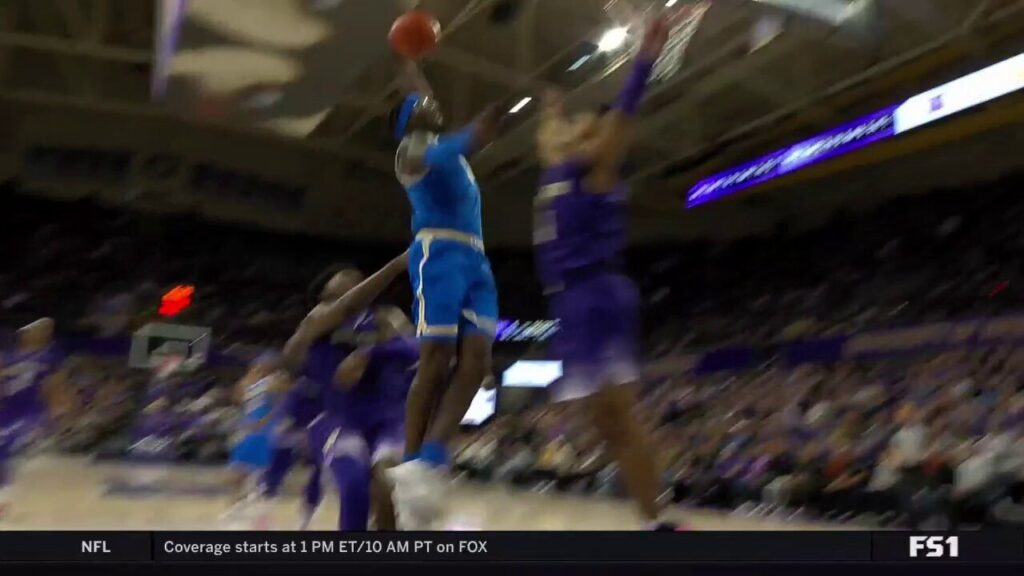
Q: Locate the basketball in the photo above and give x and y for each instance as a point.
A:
(414, 34)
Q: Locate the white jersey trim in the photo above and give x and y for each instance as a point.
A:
(413, 144)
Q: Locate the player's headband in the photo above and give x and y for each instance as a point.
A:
(405, 114)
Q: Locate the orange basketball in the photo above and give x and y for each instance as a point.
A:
(414, 34)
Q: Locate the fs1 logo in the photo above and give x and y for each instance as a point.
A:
(935, 546)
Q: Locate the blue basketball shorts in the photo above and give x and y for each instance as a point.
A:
(252, 453)
(453, 287)
(597, 334)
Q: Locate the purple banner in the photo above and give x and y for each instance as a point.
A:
(526, 330)
(841, 140)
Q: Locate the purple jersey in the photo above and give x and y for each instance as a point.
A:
(22, 375)
(304, 402)
(379, 395)
(324, 357)
(575, 231)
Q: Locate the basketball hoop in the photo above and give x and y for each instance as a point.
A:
(687, 20)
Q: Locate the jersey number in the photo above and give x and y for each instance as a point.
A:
(545, 218)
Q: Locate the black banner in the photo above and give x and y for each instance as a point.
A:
(498, 547)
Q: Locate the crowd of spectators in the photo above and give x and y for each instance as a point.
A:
(186, 417)
(912, 259)
(933, 437)
(942, 256)
(103, 270)
(932, 440)
(98, 403)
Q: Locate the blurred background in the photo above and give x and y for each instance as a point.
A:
(825, 218)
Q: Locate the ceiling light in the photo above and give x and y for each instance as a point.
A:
(613, 39)
(670, 3)
(520, 105)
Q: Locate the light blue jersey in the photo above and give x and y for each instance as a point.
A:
(453, 285)
(259, 408)
(258, 404)
(443, 192)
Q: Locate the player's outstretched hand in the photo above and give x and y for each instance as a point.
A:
(490, 118)
(655, 36)
(413, 78)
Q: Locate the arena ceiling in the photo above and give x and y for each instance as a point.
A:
(318, 77)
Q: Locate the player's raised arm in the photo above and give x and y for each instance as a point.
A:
(465, 142)
(607, 150)
(327, 318)
(553, 130)
(414, 80)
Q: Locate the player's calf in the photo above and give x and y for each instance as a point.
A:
(612, 411)
(381, 496)
(348, 462)
(473, 366)
(426, 390)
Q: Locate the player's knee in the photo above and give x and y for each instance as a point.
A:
(434, 360)
(475, 356)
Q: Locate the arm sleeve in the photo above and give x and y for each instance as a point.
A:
(450, 147)
(633, 90)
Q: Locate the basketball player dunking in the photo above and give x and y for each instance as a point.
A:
(579, 235)
(30, 381)
(455, 299)
(314, 355)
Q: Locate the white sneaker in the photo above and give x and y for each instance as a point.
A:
(419, 495)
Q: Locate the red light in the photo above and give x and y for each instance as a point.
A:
(175, 300)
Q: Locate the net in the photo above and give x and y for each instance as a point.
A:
(164, 365)
(687, 20)
(154, 341)
(167, 363)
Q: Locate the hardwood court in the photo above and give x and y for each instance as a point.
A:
(58, 493)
